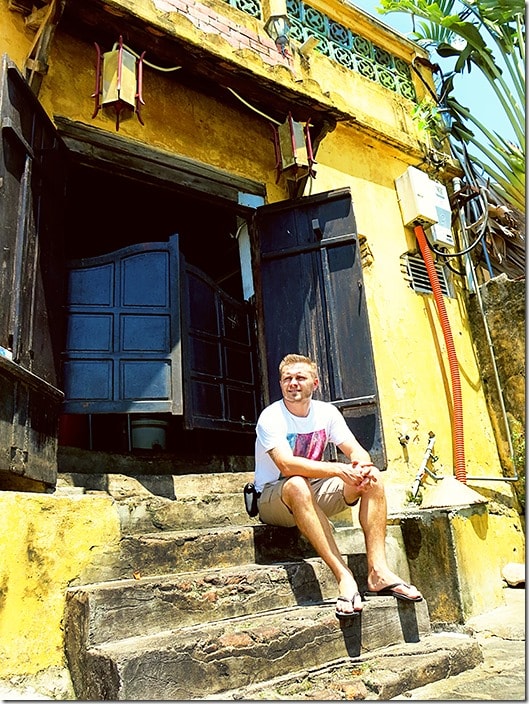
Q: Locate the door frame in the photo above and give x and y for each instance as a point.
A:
(92, 146)
(97, 149)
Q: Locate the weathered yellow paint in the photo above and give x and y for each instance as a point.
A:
(45, 543)
(456, 555)
(484, 545)
(409, 347)
(193, 125)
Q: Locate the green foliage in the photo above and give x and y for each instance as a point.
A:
(428, 118)
(412, 500)
(474, 38)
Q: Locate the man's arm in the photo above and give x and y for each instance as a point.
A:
(291, 465)
(351, 448)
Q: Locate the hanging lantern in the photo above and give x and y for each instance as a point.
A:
(293, 148)
(277, 25)
(119, 83)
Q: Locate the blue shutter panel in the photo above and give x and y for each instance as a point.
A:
(123, 346)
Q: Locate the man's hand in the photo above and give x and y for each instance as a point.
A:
(358, 474)
(366, 472)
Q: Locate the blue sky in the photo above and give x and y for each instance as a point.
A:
(472, 91)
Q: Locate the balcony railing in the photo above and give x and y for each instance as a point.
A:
(342, 45)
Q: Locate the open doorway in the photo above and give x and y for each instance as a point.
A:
(107, 212)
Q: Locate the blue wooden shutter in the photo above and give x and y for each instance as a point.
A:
(123, 346)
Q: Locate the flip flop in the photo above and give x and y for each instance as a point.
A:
(342, 615)
(390, 591)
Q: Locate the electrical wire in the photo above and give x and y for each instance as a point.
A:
(466, 163)
(252, 107)
(147, 63)
(434, 69)
(451, 255)
(454, 270)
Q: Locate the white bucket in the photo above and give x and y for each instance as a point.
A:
(148, 433)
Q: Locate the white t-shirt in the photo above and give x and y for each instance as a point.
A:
(307, 437)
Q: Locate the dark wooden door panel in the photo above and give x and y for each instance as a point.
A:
(32, 177)
(219, 356)
(311, 297)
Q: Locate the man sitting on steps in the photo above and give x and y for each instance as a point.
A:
(298, 488)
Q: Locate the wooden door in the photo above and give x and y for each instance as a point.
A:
(311, 301)
(32, 177)
(123, 343)
(220, 377)
(149, 333)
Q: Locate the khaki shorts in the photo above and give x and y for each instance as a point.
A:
(328, 493)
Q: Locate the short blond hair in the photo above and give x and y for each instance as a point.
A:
(291, 359)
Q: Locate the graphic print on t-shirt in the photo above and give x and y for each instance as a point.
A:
(309, 445)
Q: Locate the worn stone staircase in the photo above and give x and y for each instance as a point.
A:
(198, 601)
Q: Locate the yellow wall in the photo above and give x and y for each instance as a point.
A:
(45, 544)
(410, 351)
(457, 554)
(482, 553)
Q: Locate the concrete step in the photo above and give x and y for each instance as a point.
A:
(151, 502)
(381, 675)
(197, 600)
(97, 613)
(165, 552)
(192, 662)
(148, 463)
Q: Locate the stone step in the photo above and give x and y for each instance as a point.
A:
(148, 463)
(97, 613)
(191, 662)
(165, 552)
(197, 599)
(380, 675)
(167, 502)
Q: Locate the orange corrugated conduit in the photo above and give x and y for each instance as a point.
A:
(457, 427)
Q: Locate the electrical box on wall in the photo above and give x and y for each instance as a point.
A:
(440, 233)
(425, 202)
(414, 190)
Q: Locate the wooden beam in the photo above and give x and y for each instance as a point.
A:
(98, 148)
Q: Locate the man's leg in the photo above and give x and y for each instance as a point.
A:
(373, 519)
(314, 525)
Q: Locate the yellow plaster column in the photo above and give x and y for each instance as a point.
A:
(46, 542)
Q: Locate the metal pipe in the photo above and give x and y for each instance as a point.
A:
(495, 479)
(423, 469)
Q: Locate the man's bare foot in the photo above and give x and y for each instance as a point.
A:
(345, 606)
